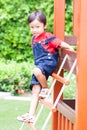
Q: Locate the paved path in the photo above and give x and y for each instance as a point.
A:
(8, 96)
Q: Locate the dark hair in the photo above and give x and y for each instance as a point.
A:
(39, 15)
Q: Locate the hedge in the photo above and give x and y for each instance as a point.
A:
(16, 58)
(14, 30)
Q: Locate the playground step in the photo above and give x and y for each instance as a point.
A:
(60, 79)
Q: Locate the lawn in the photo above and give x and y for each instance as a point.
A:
(10, 109)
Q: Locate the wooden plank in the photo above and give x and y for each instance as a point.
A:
(70, 126)
(71, 40)
(60, 79)
(62, 122)
(70, 59)
(59, 121)
(68, 112)
(66, 124)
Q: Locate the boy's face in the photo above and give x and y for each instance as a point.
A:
(37, 27)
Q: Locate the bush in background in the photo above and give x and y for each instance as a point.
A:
(16, 58)
(15, 35)
(15, 76)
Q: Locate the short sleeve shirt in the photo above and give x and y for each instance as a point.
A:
(52, 45)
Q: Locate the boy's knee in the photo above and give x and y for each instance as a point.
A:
(37, 72)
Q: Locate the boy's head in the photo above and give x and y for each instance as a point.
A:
(39, 15)
(37, 23)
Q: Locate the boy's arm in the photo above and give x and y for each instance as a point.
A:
(65, 45)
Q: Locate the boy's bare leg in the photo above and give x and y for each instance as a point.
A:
(41, 77)
(29, 117)
(34, 99)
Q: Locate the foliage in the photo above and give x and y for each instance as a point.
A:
(69, 17)
(14, 31)
(15, 76)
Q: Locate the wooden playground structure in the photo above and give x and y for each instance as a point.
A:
(77, 119)
(70, 114)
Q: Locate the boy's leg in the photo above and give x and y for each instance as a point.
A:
(40, 77)
(30, 116)
(34, 99)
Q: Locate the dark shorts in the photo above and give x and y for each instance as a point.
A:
(46, 69)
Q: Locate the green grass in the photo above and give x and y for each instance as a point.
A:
(10, 109)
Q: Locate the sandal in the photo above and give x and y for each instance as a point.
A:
(43, 93)
(26, 118)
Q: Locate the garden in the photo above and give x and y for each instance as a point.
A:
(16, 57)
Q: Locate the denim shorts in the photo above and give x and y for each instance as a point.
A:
(34, 79)
(46, 68)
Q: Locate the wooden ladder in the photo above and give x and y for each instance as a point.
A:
(45, 102)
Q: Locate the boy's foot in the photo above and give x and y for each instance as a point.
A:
(26, 118)
(44, 92)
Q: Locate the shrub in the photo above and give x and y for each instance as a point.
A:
(69, 17)
(15, 76)
(14, 31)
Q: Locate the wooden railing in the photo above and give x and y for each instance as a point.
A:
(66, 108)
(66, 116)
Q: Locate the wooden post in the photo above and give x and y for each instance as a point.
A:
(59, 17)
(81, 103)
(76, 17)
(59, 8)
